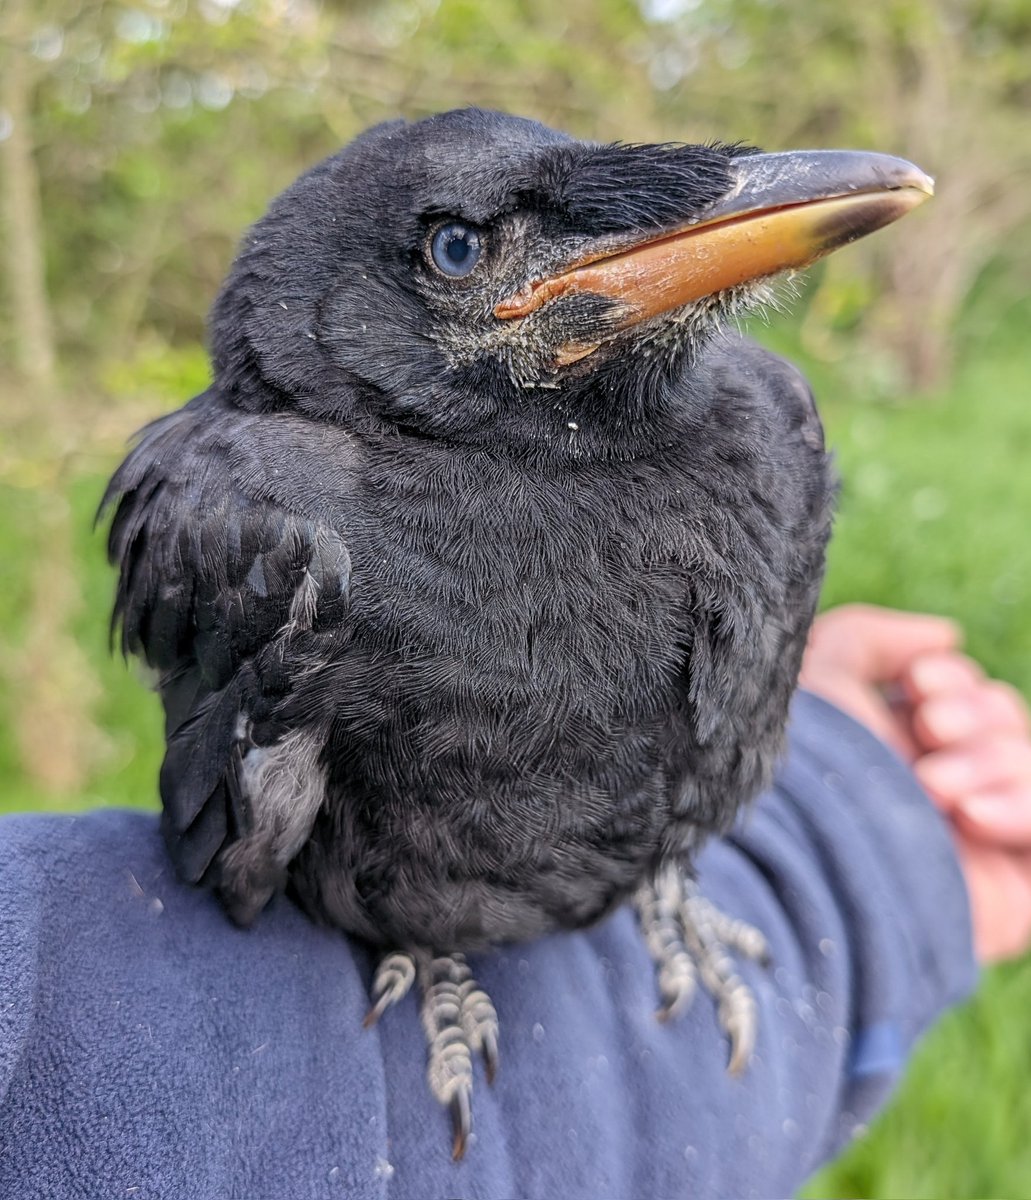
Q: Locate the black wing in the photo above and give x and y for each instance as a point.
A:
(220, 587)
(772, 489)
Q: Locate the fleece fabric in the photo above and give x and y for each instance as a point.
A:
(149, 1049)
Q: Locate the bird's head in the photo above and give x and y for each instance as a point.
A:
(473, 265)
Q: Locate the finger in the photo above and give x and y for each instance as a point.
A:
(878, 643)
(940, 673)
(999, 885)
(999, 817)
(986, 708)
(984, 765)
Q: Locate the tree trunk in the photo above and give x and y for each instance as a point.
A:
(46, 669)
(31, 325)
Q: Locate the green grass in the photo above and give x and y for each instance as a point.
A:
(934, 515)
(127, 715)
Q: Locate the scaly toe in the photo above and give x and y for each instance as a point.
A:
(480, 1022)
(658, 910)
(735, 934)
(691, 940)
(459, 1020)
(394, 977)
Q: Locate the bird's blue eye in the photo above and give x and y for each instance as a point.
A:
(455, 249)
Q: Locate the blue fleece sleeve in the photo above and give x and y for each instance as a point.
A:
(150, 1049)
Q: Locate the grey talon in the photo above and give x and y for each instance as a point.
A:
(392, 981)
(459, 1020)
(690, 940)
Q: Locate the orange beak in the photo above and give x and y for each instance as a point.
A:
(786, 211)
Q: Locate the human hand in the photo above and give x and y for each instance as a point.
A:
(967, 737)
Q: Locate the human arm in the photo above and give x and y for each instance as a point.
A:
(145, 1042)
(967, 737)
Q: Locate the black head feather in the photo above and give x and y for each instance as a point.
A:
(333, 300)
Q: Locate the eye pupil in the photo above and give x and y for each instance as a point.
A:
(458, 250)
(455, 249)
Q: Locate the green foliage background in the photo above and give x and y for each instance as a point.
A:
(139, 137)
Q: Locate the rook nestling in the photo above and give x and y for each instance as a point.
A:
(478, 579)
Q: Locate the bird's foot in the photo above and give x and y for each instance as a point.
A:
(459, 1020)
(691, 940)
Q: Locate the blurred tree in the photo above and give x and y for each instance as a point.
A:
(945, 82)
(149, 134)
(48, 670)
(163, 125)
(31, 326)
(139, 137)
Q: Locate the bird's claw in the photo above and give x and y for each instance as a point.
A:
(460, 1107)
(691, 941)
(394, 977)
(459, 1020)
(480, 1023)
(491, 1060)
(739, 1020)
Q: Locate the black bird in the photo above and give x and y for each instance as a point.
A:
(478, 579)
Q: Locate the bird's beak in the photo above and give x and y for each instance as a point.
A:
(784, 212)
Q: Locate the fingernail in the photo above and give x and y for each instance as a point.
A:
(948, 720)
(946, 773)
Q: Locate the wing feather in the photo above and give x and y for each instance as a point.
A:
(215, 577)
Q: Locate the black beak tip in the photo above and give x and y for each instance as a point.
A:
(801, 176)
